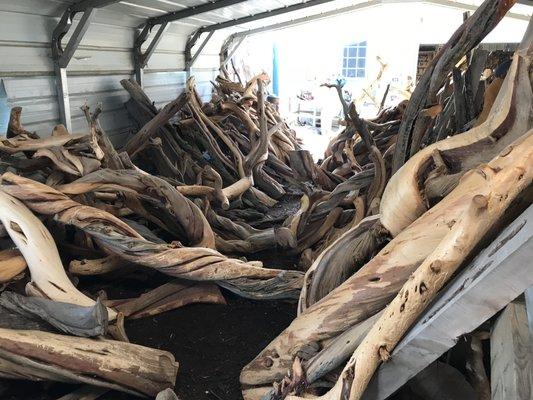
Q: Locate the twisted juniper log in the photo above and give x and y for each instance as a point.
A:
(48, 277)
(467, 36)
(153, 198)
(117, 238)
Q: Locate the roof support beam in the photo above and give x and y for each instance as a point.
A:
(141, 59)
(193, 38)
(62, 56)
(85, 4)
(263, 15)
(190, 62)
(192, 11)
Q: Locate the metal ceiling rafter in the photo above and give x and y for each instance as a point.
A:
(239, 37)
(193, 38)
(234, 40)
(141, 58)
(62, 56)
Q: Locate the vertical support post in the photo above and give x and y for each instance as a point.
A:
(63, 96)
(140, 59)
(62, 56)
(191, 59)
(139, 74)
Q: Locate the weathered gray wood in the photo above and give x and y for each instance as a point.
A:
(511, 355)
(529, 309)
(498, 275)
(69, 318)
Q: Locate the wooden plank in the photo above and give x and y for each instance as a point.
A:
(511, 355)
(499, 274)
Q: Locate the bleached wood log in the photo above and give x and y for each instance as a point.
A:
(40, 252)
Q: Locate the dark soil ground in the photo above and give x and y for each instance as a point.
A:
(211, 343)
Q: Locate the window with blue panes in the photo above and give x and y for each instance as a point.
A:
(354, 60)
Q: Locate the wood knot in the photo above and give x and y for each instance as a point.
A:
(436, 267)
(384, 353)
(480, 201)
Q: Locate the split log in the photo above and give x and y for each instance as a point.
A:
(105, 363)
(118, 239)
(511, 355)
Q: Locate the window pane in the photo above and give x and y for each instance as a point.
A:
(344, 72)
(351, 73)
(351, 63)
(360, 73)
(361, 63)
(344, 63)
(351, 52)
(361, 52)
(345, 52)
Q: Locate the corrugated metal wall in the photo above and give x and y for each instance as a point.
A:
(103, 58)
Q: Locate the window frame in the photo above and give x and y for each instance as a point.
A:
(354, 60)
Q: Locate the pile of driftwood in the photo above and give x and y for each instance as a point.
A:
(446, 167)
(379, 225)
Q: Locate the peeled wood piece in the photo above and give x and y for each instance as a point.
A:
(498, 184)
(40, 252)
(12, 263)
(118, 239)
(126, 367)
(169, 296)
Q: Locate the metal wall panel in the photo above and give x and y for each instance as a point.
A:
(103, 58)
